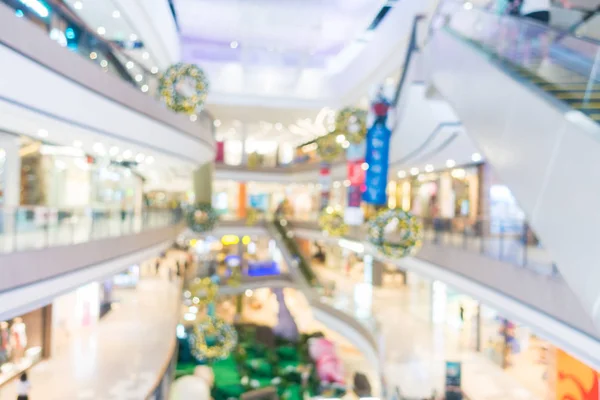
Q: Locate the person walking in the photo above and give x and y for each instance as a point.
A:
(23, 387)
(538, 10)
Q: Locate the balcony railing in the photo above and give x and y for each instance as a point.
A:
(28, 228)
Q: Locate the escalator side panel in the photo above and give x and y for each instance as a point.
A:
(546, 153)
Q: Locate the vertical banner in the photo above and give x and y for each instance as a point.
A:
(220, 154)
(325, 182)
(355, 156)
(453, 381)
(377, 158)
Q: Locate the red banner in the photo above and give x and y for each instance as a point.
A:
(356, 173)
(220, 153)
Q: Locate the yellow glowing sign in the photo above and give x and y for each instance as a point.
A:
(246, 240)
(230, 239)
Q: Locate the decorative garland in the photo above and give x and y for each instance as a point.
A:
(332, 222)
(202, 218)
(221, 336)
(352, 122)
(175, 100)
(403, 225)
(205, 290)
(328, 148)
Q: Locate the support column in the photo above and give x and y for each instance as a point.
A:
(244, 138)
(203, 181)
(10, 181)
(373, 270)
(242, 200)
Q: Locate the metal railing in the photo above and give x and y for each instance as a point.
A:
(27, 228)
(508, 240)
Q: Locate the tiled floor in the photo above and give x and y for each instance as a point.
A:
(416, 350)
(120, 358)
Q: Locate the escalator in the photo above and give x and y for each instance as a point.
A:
(529, 98)
(299, 267)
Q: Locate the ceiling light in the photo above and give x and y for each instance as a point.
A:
(346, 144)
(340, 138)
(144, 88)
(78, 5)
(133, 37)
(429, 168)
(364, 166)
(114, 150)
(414, 171)
(140, 157)
(104, 63)
(99, 148)
(193, 117)
(154, 70)
(93, 55)
(476, 157)
(217, 123)
(139, 77)
(130, 64)
(468, 6)
(450, 163)
(346, 183)
(77, 143)
(149, 160)
(401, 174)
(101, 30)
(42, 133)
(127, 154)
(116, 14)
(234, 44)
(145, 55)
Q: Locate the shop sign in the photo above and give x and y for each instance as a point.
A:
(325, 182)
(378, 148)
(453, 381)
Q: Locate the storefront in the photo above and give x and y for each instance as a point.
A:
(445, 194)
(24, 341)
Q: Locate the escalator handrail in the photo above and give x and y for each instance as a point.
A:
(412, 47)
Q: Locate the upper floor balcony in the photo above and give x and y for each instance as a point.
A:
(69, 83)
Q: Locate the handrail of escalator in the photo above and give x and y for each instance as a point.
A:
(412, 47)
(294, 250)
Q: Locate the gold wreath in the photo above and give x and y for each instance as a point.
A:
(332, 222)
(212, 327)
(205, 290)
(352, 123)
(411, 233)
(328, 148)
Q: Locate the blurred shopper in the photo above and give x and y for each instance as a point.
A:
(23, 387)
(538, 10)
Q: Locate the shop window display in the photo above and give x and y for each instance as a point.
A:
(20, 344)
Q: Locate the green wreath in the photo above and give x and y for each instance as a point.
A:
(172, 96)
(352, 123)
(202, 218)
(212, 339)
(404, 226)
(328, 148)
(332, 222)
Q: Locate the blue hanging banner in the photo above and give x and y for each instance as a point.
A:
(377, 158)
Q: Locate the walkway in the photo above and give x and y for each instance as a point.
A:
(121, 358)
(416, 350)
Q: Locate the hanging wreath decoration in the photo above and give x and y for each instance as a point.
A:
(202, 218)
(183, 88)
(332, 222)
(352, 123)
(395, 233)
(205, 290)
(328, 148)
(212, 339)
